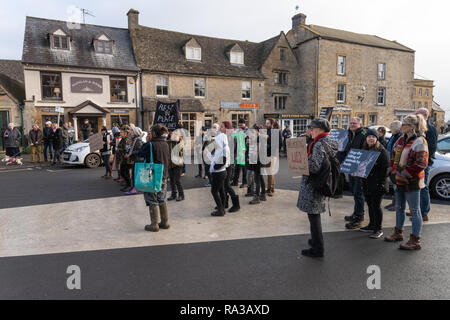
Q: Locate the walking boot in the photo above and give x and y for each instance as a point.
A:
(311, 253)
(255, 200)
(236, 207)
(164, 217)
(262, 197)
(153, 227)
(172, 197)
(412, 244)
(397, 236)
(180, 198)
(220, 212)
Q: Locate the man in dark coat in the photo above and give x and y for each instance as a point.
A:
(48, 140)
(12, 137)
(431, 137)
(35, 140)
(357, 136)
(86, 129)
(58, 143)
(287, 134)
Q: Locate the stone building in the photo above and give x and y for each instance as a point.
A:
(12, 95)
(214, 79)
(87, 70)
(437, 117)
(422, 94)
(357, 74)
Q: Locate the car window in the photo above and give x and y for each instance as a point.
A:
(444, 145)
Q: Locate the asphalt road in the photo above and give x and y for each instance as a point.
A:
(268, 268)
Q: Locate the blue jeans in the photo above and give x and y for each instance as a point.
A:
(358, 196)
(425, 195)
(48, 145)
(413, 199)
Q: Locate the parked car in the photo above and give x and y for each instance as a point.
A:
(81, 154)
(443, 145)
(440, 177)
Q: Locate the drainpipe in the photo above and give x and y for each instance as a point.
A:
(22, 107)
(141, 104)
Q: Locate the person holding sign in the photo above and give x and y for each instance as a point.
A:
(374, 186)
(407, 171)
(310, 200)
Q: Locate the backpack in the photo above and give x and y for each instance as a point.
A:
(329, 181)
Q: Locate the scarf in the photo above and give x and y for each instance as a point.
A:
(315, 140)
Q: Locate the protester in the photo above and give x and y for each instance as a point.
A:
(198, 149)
(86, 130)
(255, 164)
(208, 146)
(396, 128)
(382, 136)
(432, 138)
(309, 200)
(409, 159)
(176, 163)
(287, 134)
(58, 143)
(157, 201)
(357, 137)
(227, 128)
(220, 160)
(71, 132)
(65, 135)
(12, 138)
(374, 186)
(133, 156)
(35, 140)
(271, 124)
(122, 150)
(48, 140)
(106, 153)
(240, 144)
(250, 173)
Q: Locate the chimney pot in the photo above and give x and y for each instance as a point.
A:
(133, 19)
(298, 19)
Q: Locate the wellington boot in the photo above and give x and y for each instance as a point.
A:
(153, 227)
(164, 217)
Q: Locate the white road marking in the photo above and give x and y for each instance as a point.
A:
(15, 170)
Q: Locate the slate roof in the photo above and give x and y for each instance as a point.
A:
(159, 50)
(12, 69)
(36, 46)
(351, 37)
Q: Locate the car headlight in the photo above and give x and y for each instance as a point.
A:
(80, 149)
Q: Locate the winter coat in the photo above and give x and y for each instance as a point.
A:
(106, 146)
(309, 200)
(392, 142)
(13, 139)
(172, 145)
(32, 137)
(48, 134)
(136, 144)
(58, 141)
(355, 142)
(160, 153)
(65, 134)
(86, 129)
(432, 138)
(122, 149)
(376, 182)
(287, 134)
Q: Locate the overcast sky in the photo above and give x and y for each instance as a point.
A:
(417, 24)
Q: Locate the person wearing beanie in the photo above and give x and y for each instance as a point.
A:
(106, 153)
(309, 200)
(375, 185)
(255, 166)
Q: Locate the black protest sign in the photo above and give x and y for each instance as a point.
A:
(167, 114)
(326, 113)
(341, 136)
(359, 163)
(96, 142)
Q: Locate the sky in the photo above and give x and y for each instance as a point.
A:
(417, 24)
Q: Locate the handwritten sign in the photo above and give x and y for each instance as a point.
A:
(297, 156)
(326, 113)
(359, 162)
(167, 114)
(96, 142)
(341, 136)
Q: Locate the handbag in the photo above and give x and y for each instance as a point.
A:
(148, 176)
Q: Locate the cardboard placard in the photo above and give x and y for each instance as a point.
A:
(297, 156)
(359, 162)
(96, 142)
(341, 136)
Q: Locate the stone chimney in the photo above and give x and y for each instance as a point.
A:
(297, 20)
(133, 19)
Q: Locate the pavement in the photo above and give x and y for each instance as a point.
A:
(70, 216)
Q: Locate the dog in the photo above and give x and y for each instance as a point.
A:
(9, 160)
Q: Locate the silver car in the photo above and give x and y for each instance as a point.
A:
(440, 177)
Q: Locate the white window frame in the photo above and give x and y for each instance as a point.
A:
(341, 65)
(299, 126)
(193, 53)
(382, 71)
(245, 90)
(199, 88)
(383, 90)
(346, 123)
(237, 58)
(344, 93)
(335, 121)
(371, 123)
(164, 84)
(280, 102)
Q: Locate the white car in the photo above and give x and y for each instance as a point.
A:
(81, 154)
(440, 177)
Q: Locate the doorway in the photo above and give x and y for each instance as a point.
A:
(93, 121)
(4, 120)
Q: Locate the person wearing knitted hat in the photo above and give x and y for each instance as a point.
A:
(374, 186)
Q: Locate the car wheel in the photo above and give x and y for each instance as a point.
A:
(93, 161)
(440, 187)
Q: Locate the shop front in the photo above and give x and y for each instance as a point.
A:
(235, 111)
(96, 115)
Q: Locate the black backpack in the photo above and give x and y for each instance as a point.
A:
(329, 182)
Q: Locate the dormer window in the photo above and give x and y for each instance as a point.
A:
(103, 44)
(59, 40)
(193, 50)
(237, 57)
